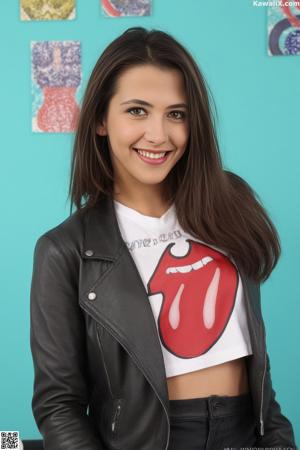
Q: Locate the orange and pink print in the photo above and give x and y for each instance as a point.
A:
(56, 76)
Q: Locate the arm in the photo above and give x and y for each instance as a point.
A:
(57, 339)
(278, 430)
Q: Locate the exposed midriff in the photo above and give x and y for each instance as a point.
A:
(229, 378)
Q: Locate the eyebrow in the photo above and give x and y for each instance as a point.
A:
(142, 102)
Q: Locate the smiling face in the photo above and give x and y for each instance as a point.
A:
(147, 113)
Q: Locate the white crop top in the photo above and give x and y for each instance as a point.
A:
(194, 289)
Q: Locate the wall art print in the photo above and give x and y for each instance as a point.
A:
(47, 9)
(284, 29)
(118, 8)
(56, 75)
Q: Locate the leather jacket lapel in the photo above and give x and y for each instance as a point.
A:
(121, 304)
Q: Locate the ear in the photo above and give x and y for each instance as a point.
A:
(101, 129)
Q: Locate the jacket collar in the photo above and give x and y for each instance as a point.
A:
(122, 305)
(101, 231)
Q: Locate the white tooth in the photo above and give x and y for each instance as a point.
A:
(209, 306)
(206, 260)
(171, 270)
(174, 313)
(184, 269)
(197, 265)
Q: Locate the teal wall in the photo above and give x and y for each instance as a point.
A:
(257, 100)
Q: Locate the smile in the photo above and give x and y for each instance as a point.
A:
(151, 154)
(152, 157)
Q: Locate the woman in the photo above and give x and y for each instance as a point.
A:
(146, 325)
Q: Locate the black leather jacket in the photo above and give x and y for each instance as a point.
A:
(100, 381)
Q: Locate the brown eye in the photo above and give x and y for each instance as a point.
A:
(182, 114)
(135, 109)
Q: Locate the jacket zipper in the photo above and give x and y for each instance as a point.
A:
(117, 413)
(262, 389)
(116, 416)
(264, 372)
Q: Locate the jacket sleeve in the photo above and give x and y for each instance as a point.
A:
(57, 340)
(278, 430)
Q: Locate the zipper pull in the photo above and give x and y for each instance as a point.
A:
(262, 427)
(117, 413)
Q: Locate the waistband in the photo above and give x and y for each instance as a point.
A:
(212, 406)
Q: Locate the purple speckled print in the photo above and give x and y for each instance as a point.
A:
(132, 7)
(56, 63)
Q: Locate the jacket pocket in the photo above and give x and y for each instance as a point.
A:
(113, 408)
(99, 331)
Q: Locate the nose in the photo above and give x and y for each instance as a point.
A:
(156, 131)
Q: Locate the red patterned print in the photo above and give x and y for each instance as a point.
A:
(199, 291)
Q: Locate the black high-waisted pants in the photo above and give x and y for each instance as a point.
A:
(212, 423)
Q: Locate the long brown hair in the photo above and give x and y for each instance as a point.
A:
(212, 204)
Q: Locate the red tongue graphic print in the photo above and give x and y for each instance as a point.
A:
(199, 291)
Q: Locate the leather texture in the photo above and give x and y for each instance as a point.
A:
(99, 377)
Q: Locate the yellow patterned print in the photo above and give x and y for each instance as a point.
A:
(47, 9)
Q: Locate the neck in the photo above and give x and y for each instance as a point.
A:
(149, 201)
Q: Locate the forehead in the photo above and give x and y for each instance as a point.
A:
(146, 80)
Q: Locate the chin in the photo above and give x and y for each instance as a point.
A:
(151, 180)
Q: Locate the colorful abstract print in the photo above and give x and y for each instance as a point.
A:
(117, 8)
(284, 30)
(56, 75)
(47, 9)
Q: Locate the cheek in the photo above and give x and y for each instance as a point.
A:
(182, 136)
(127, 133)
